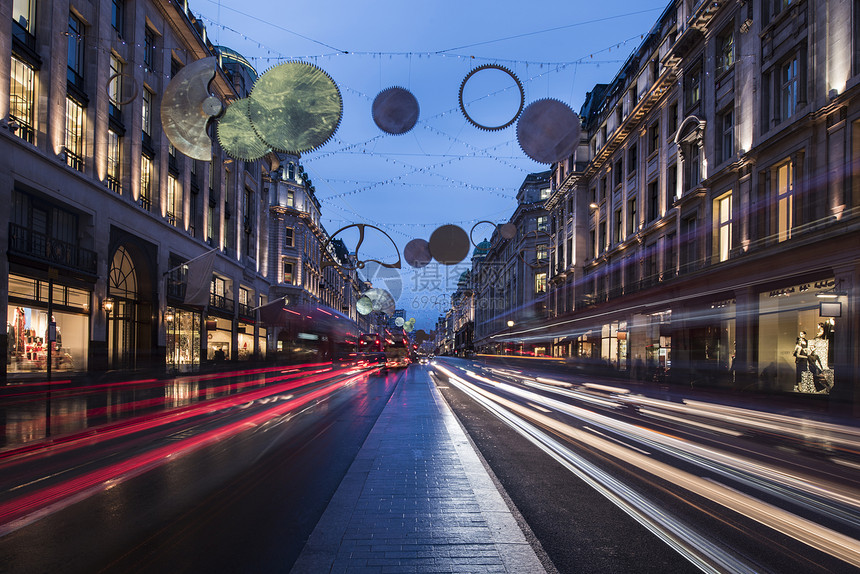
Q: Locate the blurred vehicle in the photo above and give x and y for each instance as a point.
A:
(307, 333)
(423, 360)
(396, 349)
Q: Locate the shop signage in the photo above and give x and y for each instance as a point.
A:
(804, 288)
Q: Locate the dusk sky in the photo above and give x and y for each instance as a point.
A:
(444, 170)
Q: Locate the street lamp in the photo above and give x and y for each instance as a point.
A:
(510, 327)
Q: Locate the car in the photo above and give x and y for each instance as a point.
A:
(423, 360)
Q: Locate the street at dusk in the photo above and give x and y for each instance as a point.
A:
(442, 287)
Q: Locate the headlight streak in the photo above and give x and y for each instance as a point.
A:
(681, 537)
(28, 508)
(806, 531)
(684, 421)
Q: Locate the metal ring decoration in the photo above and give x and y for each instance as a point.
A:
(472, 239)
(135, 92)
(516, 81)
(359, 264)
(537, 235)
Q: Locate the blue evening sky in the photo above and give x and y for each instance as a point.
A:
(444, 170)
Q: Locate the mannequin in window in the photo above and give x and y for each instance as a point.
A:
(819, 351)
(804, 381)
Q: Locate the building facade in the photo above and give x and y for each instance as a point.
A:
(712, 211)
(510, 278)
(105, 213)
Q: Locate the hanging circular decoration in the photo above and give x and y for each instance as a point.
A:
(449, 244)
(395, 110)
(364, 305)
(548, 131)
(187, 106)
(359, 263)
(472, 239)
(417, 253)
(508, 230)
(516, 81)
(236, 135)
(381, 300)
(399, 321)
(135, 90)
(295, 107)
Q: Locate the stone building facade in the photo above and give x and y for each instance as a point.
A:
(712, 212)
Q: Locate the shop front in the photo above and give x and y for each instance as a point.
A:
(797, 329)
(219, 335)
(31, 329)
(183, 339)
(245, 341)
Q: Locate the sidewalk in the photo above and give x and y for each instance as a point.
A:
(417, 499)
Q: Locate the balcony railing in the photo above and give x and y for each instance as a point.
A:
(246, 310)
(220, 302)
(29, 243)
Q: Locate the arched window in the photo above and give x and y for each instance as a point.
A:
(123, 278)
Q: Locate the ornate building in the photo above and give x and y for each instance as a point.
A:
(105, 214)
(712, 211)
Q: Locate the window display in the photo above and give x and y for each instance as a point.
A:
(27, 330)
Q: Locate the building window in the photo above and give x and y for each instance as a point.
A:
(632, 217)
(726, 126)
(114, 161)
(75, 56)
(689, 244)
(289, 273)
(653, 200)
(591, 248)
(673, 120)
(542, 252)
(603, 185)
(22, 101)
(692, 87)
(174, 201)
(289, 238)
(725, 51)
(117, 15)
(671, 185)
(653, 137)
(115, 86)
(74, 134)
(146, 117)
(669, 257)
(145, 198)
(788, 91)
(545, 192)
(617, 229)
(24, 16)
(149, 48)
(542, 223)
(723, 217)
(785, 199)
(692, 166)
(632, 158)
(602, 244)
(618, 168)
(540, 282)
(193, 212)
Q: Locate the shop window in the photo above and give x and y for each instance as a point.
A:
(22, 101)
(183, 338)
(74, 137)
(723, 226)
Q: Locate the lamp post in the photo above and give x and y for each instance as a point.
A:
(107, 304)
(510, 328)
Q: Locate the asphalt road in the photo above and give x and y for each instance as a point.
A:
(244, 504)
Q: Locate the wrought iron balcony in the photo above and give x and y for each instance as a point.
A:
(34, 245)
(220, 302)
